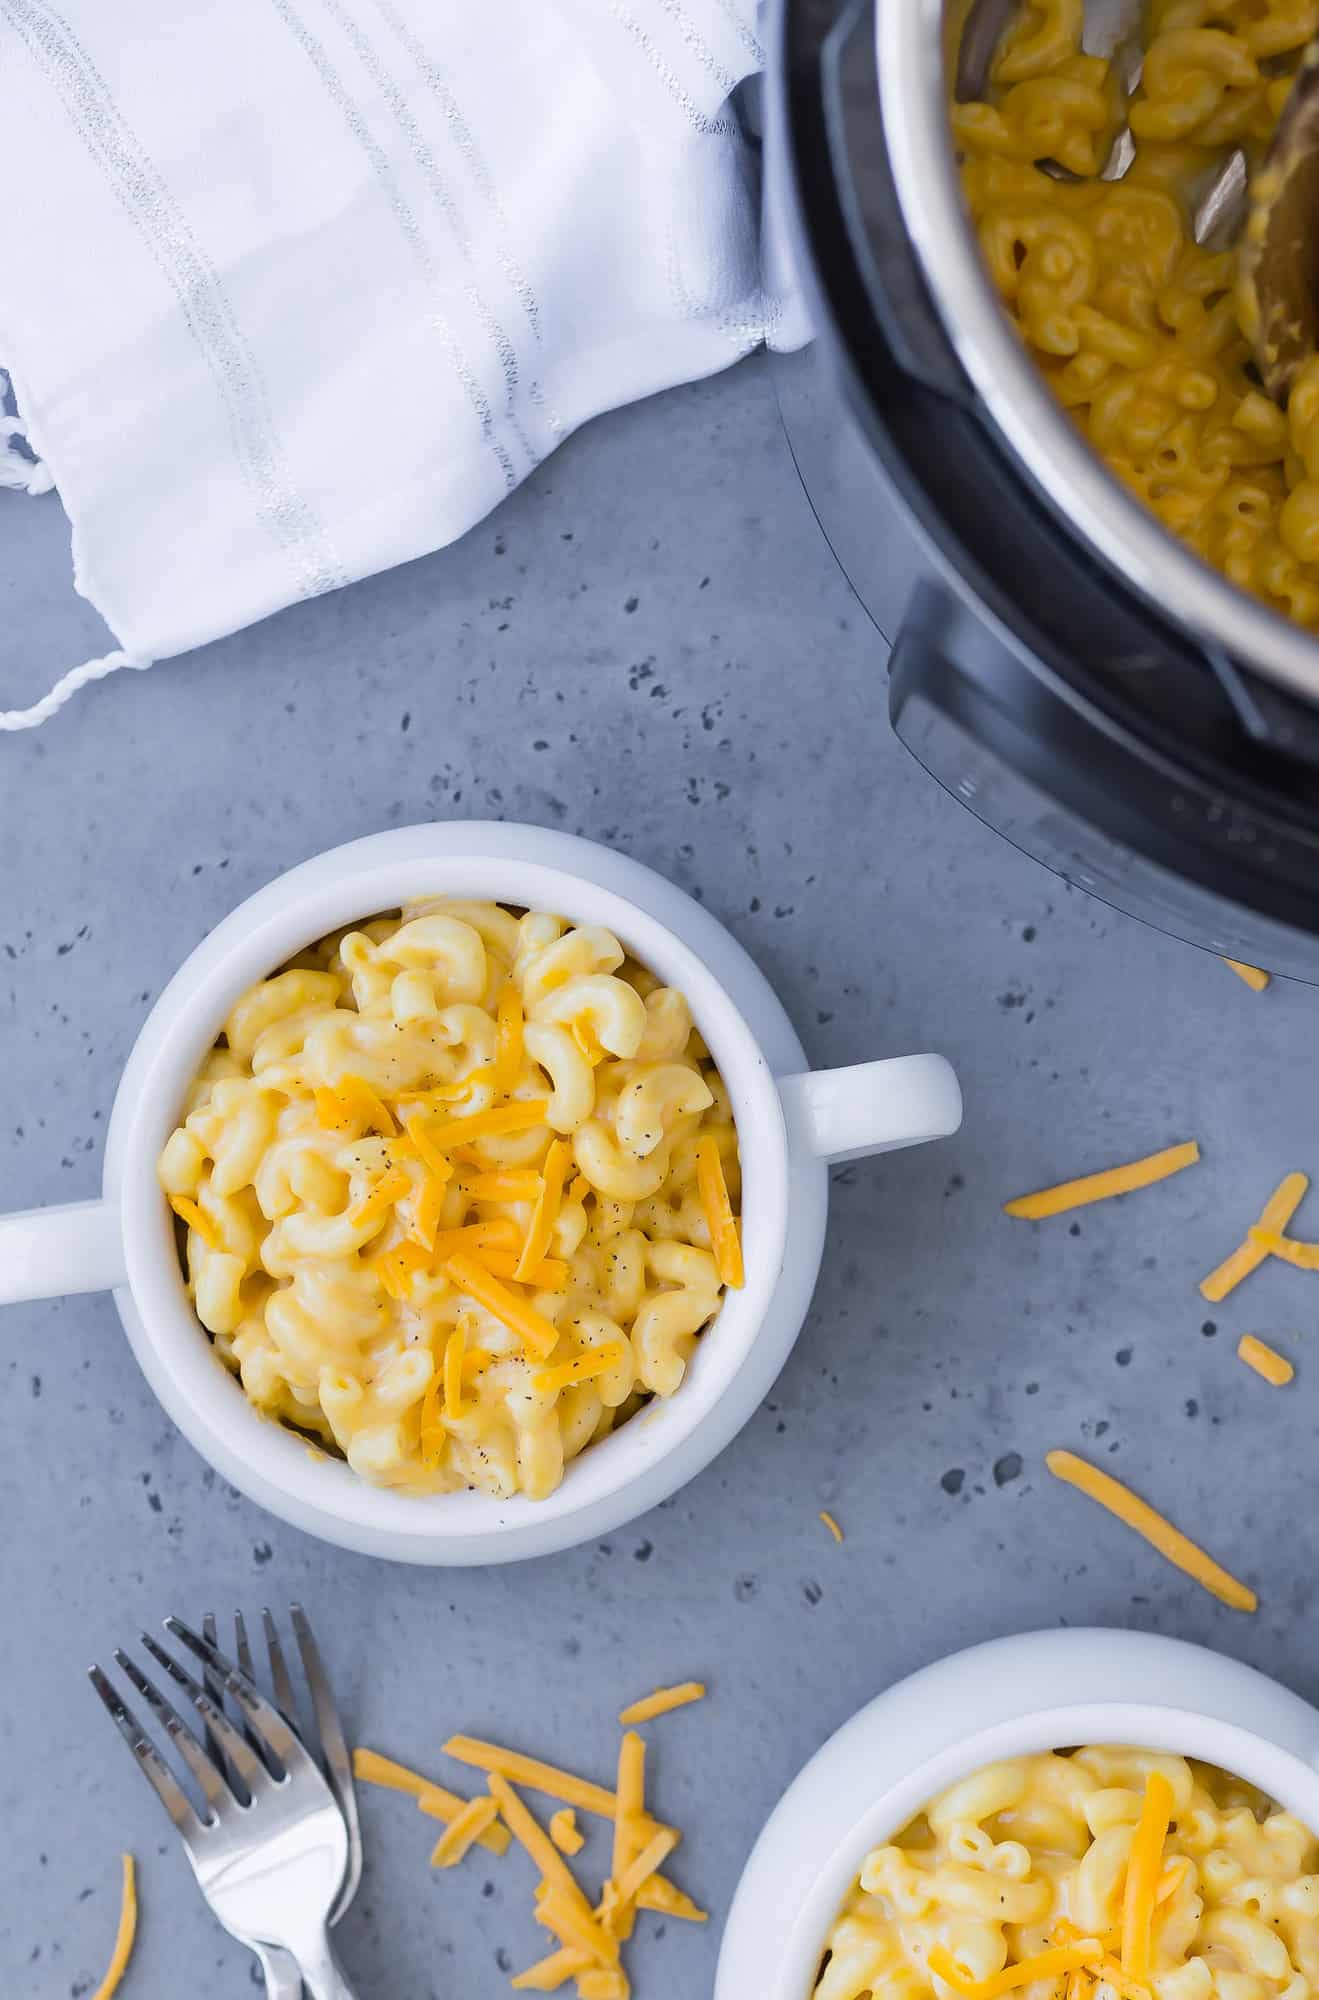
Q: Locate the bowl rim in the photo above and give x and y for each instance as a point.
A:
(1003, 1698)
(666, 1444)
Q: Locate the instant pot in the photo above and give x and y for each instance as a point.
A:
(1061, 664)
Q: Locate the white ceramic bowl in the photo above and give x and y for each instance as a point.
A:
(1041, 1691)
(790, 1124)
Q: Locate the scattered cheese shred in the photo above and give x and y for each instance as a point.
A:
(831, 1524)
(1171, 1881)
(196, 1218)
(1049, 1964)
(649, 1862)
(719, 1217)
(462, 1833)
(565, 1833)
(546, 1212)
(665, 1900)
(426, 1211)
(127, 1932)
(523, 1116)
(397, 1267)
(566, 1912)
(517, 1184)
(538, 1777)
(1144, 1867)
(391, 1186)
(532, 1328)
(550, 1275)
(549, 1974)
(509, 1021)
(434, 1161)
(1256, 980)
(1103, 1186)
(432, 1799)
(1160, 1533)
(449, 1093)
(582, 1368)
(603, 1982)
(527, 1830)
(1277, 1212)
(353, 1102)
(663, 1702)
(1301, 1256)
(1265, 1360)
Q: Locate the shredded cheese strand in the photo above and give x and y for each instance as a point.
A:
(649, 1862)
(550, 1275)
(426, 1211)
(549, 1974)
(1277, 1212)
(537, 1776)
(1171, 1880)
(831, 1524)
(573, 1923)
(1135, 1513)
(432, 1799)
(581, 1368)
(663, 1702)
(124, 1936)
(1103, 1186)
(391, 1187)
(1144, 1866)
(196, 1218)
(631, 1807)
(504, 1119)
(1256, 980)
(1275, 1368)
(664, 1900)
(462, 1833)
(1289, 1249)
(719, 1218)
(511, 1184)
(356, 1103)
(564, 1831)
(545, 1214)
(1049, 1964)
(532, 1328)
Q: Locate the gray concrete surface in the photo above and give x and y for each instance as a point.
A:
(649, 644)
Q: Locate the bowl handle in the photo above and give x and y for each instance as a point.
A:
(48, 1252)
(874, 1107)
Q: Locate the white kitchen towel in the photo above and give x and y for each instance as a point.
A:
(293, 290)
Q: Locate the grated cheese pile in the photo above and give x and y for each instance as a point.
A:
(589, 1935)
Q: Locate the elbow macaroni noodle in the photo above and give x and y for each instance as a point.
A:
(1137, 329)
(1032, 1854)
(439, 1177)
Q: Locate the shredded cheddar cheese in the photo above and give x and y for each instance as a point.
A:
(391, 1186)
(196, 1218)
(1175, 1547)
(537, 1776)
(549, 1974)
(1276, 1214)
(663, 1702)
(1049, 1964)
(432, 1799)
(550, 1275)
(1275, 1368)
(1301, 1256)
(831, 1524)
(639, 1870)
(1144, 1866)
(719, 1217)
(1256, 980)
(462, 1833)
(582, 1368)
(504, 1119)
(531, 1327)
(517, 1184)
(660, 1896)
(1104, 1186)
(353, 1102)
(434, 1161)
(631, 1806)
(1171, 1881)
(427, 1210)
(564, 1831)
(546, 1212)
(124, 1936)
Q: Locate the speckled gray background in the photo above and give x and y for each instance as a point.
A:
(650, 644)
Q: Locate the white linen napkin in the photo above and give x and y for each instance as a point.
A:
(293, 290)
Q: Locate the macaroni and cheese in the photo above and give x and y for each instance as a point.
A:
(1139, 330)
(459, 1188)
(1126, 1874)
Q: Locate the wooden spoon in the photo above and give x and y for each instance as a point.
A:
(1278, 256)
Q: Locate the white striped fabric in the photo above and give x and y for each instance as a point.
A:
(293, 290)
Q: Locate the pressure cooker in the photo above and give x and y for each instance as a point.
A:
(1064, 666)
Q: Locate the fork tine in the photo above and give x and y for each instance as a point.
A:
(153, 1768)
(279, 1672)
(249, 1767)
(243, 1655)
(203, 1770)
(266, 1719)
(215, 1690)
(338, 1762)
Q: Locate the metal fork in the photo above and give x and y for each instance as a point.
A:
(282, 1978)
(271, 1852)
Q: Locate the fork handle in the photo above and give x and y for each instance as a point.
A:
(283, 1980)
(322, 1973)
